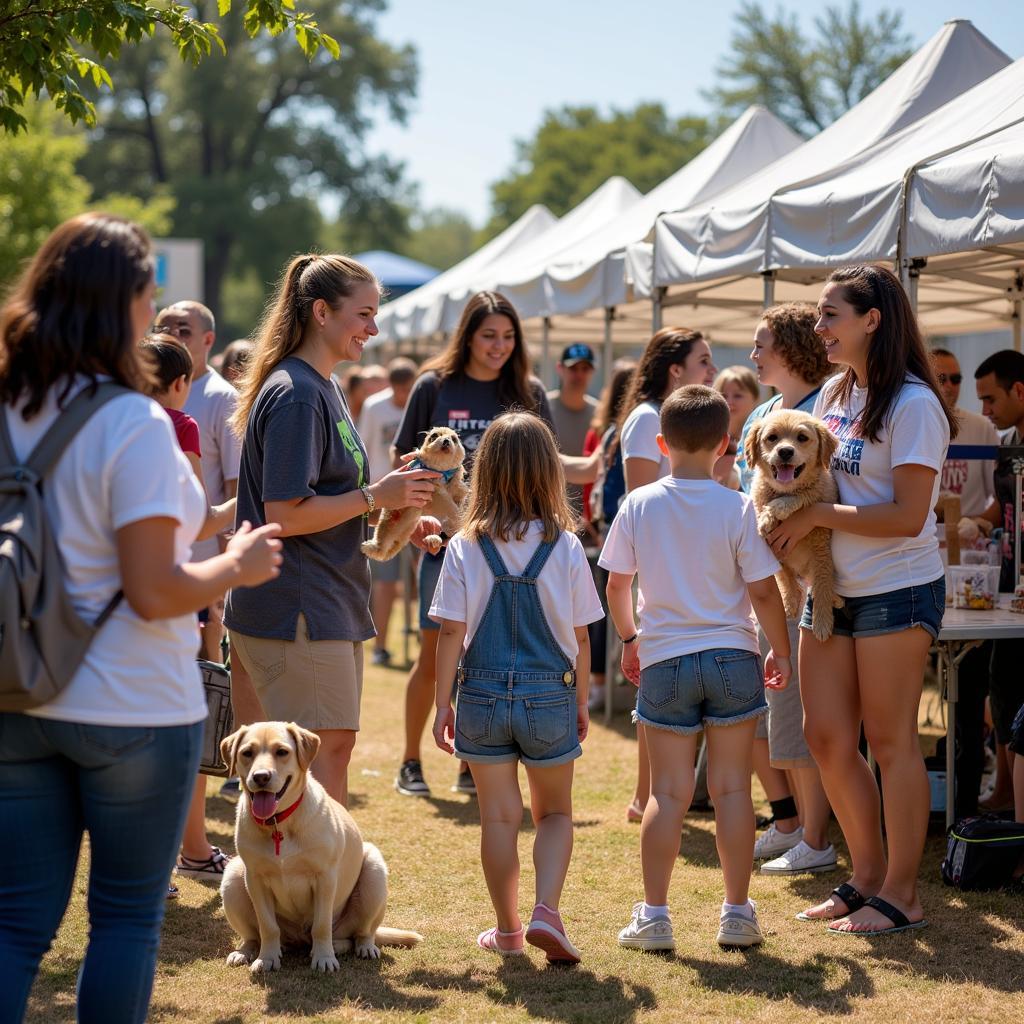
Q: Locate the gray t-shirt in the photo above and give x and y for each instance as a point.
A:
(571, 426)
(300, 442)
(464, 404)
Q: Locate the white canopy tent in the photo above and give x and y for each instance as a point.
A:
(719, 250)
(416, 314)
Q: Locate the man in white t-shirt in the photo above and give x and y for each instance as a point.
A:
(378, 423)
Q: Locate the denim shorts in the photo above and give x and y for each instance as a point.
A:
(722, 686)
(533, 722)
(429, 574)
(878, 614)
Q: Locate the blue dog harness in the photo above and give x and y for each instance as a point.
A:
(447, 474)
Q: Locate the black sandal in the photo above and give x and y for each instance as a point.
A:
(848, 894)
(900, 921)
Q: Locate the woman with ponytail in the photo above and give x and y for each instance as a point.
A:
(304, 466)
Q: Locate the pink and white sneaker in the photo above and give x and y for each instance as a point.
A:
(547, 932)
(504, 943)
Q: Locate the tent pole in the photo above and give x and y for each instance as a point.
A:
(656, 297)
(1018, 310)
(609, 346)
(769, 288)
(545, 350)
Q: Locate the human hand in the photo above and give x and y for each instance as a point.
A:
(428, 526)
(444, 729)
(582, 721)
(777, 671)
(257, 553)
(631, 663)
(790, 532)
(405, 488)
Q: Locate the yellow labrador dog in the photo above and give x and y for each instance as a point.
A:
(303, 874)
(790, 452)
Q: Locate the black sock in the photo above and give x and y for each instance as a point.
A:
(784, 808)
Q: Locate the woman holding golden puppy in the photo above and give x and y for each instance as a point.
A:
(304, 466)
(893, 429)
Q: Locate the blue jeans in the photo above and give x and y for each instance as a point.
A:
(129, 787)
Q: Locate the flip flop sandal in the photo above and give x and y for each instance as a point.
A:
(900, 921)
(489, 940)
(212, 867)
(634, 813)
(848, 894)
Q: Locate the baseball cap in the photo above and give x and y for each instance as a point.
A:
(578, 353)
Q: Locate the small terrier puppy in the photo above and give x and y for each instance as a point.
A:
(441, 452)
(790, 452)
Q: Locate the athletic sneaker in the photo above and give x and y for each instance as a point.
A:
(381, 656)
(464, 783)
(410, 781)
(647, 932)
(771, 843)
(801, 860)
(737, 930)
(231, 788)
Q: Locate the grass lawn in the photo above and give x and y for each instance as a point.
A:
(967, 966)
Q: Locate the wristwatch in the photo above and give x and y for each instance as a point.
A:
(370, 503)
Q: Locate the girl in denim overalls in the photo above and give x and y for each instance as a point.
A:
(514, 601)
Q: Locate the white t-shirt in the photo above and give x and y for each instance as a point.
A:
(378, 423)
(694, 546)
(971, 479)
(211, 403)
(640, 437)
(916, 432)
(565, 585)
(123, 466)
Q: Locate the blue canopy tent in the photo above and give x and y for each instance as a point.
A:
(398, 274)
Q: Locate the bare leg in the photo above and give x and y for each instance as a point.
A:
(774, 782)
(832, 716)
(501, 814)
(1018, 787)
(382, 600)
(729, 765)
(672, 757)
(245, 703)
(419, 694)
(812, 803)
(1002, 788)
(330, 767)
(890, 670)
(194, 843)
(643, 774)
(551, 806)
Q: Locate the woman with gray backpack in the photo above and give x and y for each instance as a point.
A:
(101, 706)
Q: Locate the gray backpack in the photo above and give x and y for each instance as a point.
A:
(42, 638)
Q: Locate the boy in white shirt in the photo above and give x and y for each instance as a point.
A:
(695, 655)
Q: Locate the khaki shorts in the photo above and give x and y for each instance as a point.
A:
(784, 723)
(317, 684)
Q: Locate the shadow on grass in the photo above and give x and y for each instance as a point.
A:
(697, 846)
(570, 994)
(822, 982)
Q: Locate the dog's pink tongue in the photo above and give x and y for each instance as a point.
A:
(264, 804)
(785, 474)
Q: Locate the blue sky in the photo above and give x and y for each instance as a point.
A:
(489, 70)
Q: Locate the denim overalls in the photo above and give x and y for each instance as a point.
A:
(517, 689)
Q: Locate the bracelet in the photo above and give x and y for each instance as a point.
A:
(370, 503)
(635, 636)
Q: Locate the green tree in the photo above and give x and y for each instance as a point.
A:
(39, 188)
(576, 149)
(439, 238)
(42, 44)
(254, 141)
(808, 82)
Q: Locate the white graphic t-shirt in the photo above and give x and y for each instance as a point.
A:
(915, 432)
(971, 480)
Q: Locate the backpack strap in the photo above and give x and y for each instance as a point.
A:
(68, 423)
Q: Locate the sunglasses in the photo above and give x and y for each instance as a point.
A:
(952, 378)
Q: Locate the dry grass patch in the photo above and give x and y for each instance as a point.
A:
(968, 966)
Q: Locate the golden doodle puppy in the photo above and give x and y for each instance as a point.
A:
(303, 875)
(790, 452)
(443, 453)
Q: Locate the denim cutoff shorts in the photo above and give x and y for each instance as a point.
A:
(722, 686)
(877, 614)
(429, 574)
(530, 722)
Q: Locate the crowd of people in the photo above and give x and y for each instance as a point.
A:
(230, 507)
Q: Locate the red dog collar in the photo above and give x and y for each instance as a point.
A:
(275, 819)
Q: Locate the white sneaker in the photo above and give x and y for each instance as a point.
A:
(801, 860)
(647, 932)
(772, 842)
(738, 931)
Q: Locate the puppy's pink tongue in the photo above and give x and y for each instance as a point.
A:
(264, 803)
(785, 474)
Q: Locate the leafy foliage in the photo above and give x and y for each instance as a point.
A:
(58, 46)
(808, 82)
(439, 238)
(576, 149)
